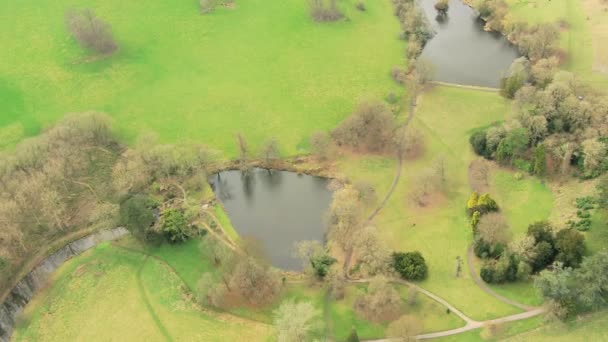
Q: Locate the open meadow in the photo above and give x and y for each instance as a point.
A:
(264, 86)
(262, 68)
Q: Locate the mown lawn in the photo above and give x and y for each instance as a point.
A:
(262, 68)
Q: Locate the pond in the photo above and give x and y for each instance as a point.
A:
(461, 51)
(277, 208)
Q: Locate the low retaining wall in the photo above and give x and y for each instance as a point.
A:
(25, 289)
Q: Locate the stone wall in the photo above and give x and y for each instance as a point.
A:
(25, 289)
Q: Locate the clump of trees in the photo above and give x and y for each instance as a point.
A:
(315, 259)
(559, 127)
(370, 128)
(349, 230)
(380, 303)
(137, 215)
(561, 123)
(76, 175)
(431, 180)
(245, 277)
(569, 291)
(534, 41)
(410, 266)
(414, 24)
(296, 321)
(91, 32)
(55, 184)
(325, 10)
(541, 247)
(478, 205)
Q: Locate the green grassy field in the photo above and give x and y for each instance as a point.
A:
(587, 328)
(431, 314)
(263, 68)
(111, 293)
(440, 231)
(93, 296)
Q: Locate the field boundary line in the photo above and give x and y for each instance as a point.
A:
(147, 303)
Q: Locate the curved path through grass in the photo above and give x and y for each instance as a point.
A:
(142, 291)
(471, 324)
(482, 285)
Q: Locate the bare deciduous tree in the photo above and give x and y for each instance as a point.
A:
(270, 151)
(256, 283)
(296, 321)
(91, 32)
(493, 228)
(404, 329)
(369, 129)
(408, 142)
(380, 303)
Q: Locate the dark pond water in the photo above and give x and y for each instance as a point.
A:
(276, 208)
(462, 51)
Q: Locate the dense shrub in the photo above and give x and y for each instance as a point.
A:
(321, 264)
(499, 271)
(483, 204)
(174, 226)
(381, 303)
(410, 266)
(478, 142)
(137, 215)
(484, 249)
(91, 32)
(570, 247)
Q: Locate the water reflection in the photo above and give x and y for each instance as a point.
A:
(277, 208)
(461, 51)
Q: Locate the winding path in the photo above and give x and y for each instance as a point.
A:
(482, 284)
(471, 324)
(410, 116)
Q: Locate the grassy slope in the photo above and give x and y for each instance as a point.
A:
(264, 68)
(446, 116)
(132, 285)
(98, 295)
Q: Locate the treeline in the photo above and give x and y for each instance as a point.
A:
(414, 25)
(508, 260)
(54, 184)
(533, 41)
(77, 175)
(560, 124)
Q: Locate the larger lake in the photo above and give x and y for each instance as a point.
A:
(277, 208)
(461, 51)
